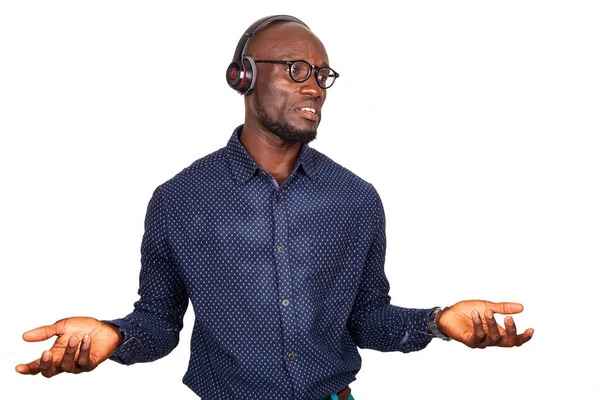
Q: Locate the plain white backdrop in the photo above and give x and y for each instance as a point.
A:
(477, 121)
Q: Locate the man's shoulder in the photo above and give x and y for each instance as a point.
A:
(206, 166)
(335, 174)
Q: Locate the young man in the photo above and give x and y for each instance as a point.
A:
(279, 249)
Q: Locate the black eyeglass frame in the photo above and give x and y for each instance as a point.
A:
(312, 67)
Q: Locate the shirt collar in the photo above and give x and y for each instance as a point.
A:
(244, 167)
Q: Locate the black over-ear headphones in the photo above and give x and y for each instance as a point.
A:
(241, 73)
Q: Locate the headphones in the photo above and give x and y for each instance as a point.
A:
(241, 73)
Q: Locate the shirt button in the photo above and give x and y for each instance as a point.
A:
(280, 249)
(278, 199)
(285, 302)
(291, 356)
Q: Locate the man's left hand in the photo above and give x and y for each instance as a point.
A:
(472, 322)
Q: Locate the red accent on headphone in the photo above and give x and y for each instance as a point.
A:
(233, 73)
(243, 80)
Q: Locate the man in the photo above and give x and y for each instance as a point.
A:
(279, 249)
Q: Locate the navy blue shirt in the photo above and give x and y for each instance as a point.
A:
(286, 283)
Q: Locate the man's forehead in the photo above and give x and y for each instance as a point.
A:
(286, 40)
(295, 51)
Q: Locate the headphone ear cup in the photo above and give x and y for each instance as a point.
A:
(250, 72)
(242, 78)
(235, 75)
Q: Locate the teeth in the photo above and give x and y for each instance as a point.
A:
(310, 110)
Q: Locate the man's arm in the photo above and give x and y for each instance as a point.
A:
(150, 332)
(374, 323)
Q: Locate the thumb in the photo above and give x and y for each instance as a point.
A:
(41, 333)
(506, 307)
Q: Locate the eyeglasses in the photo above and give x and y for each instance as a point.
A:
(300, 71)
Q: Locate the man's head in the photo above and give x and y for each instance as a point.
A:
(278, 104)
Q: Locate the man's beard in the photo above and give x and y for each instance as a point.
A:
(283, 130)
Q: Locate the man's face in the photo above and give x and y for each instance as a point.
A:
(288, 109)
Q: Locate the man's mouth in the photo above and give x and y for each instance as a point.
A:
(310, 110)
(309, 113)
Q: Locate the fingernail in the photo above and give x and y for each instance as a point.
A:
(73, 341)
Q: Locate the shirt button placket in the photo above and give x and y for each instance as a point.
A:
(282, 264)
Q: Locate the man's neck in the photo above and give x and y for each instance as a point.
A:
(270, 152)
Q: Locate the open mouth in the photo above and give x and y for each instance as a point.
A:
(308, 109)
(309, 113)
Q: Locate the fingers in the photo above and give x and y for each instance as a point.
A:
(511, 332)
(84, 361)
(486, 332)
(76, 363)
(47, 367)
(511, 338)
(493, 333)
(478, 330)
(67, 364)
(43, 365)
(32, 368)
(75, 359)
(524, 337)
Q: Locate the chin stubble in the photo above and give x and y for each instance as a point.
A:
(282, 129)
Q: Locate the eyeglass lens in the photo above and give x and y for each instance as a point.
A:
(300, 71)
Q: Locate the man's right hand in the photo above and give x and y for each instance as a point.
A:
(82, 344)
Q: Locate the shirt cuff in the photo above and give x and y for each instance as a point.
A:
(127, 350)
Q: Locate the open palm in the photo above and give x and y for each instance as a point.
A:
(82, 343)
(472, 322)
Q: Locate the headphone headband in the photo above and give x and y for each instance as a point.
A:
(241, 73)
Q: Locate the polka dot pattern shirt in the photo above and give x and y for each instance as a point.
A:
(286, 283)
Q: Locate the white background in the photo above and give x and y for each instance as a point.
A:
(477, 121)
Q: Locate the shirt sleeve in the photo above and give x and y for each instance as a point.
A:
(151, 331)
(374, 323)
